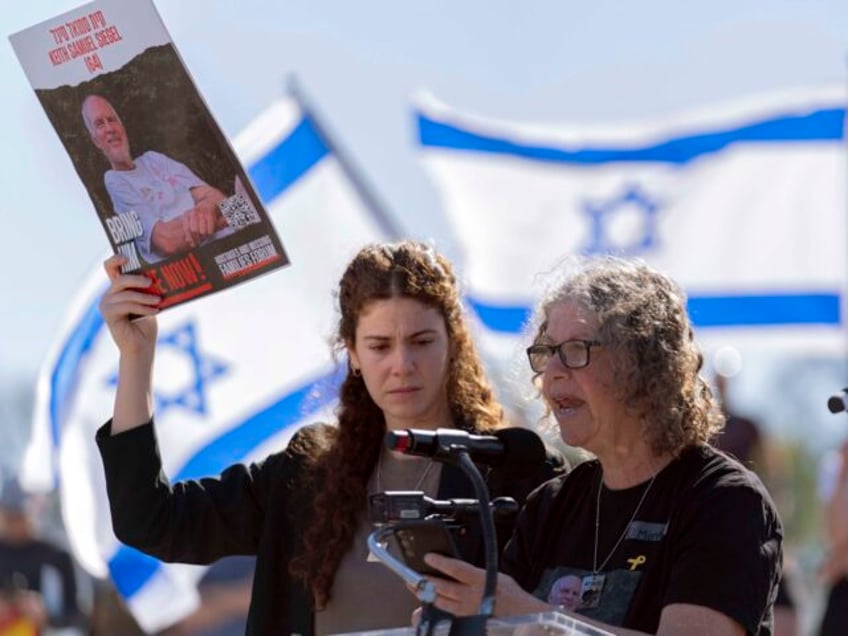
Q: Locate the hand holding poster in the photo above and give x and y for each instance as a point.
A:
(171, 194)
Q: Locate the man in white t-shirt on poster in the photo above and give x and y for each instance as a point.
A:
(177, 210)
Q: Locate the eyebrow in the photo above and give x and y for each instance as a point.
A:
(546, 339)
(417, 334)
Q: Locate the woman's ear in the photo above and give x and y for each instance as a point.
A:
(353, 358)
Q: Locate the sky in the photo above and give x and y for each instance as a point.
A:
(360, 62)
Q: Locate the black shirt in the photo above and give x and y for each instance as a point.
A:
(707, 534)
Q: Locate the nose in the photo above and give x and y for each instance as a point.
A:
(403, 360)
(554, 364)
(554, 368)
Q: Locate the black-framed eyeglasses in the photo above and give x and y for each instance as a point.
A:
(574, 354)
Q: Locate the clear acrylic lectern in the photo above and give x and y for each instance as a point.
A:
(546, 624)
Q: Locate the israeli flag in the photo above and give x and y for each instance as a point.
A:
(236, 373)
(744, 204)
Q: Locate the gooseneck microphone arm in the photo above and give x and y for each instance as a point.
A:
(454, 449)
(487, 523)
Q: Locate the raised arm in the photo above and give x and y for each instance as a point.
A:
(130, 295)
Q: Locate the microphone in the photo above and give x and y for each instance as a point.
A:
(517, 451)
(839, 402)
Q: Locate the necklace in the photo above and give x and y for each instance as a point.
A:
(590, 593)
(417, 486)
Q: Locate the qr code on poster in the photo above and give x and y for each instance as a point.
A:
(239, 211)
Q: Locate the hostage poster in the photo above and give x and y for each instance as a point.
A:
(166, 185)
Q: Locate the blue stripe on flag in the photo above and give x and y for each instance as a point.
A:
(289, 161)
(705, 311)
(501, 318)
(766, 310)
(823, 125)
(131, 569)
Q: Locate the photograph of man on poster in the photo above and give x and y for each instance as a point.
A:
(177, 210)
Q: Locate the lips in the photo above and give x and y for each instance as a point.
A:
(404, 390)
(564, 405)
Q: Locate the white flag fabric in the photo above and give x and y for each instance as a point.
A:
(236, 373)
(743, 204)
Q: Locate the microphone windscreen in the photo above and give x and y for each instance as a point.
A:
(524, 451)
(399, 441)
(835, 404)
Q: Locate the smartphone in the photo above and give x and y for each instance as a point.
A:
(414, 541)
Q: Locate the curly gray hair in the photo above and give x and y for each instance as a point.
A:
(642, 320)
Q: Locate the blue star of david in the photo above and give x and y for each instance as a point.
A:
(601, 214)
(205, 368)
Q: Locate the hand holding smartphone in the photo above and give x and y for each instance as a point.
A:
(416, 540)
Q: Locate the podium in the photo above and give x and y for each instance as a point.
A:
(545, 624)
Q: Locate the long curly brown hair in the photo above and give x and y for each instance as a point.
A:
(641, 316)
(406, 269)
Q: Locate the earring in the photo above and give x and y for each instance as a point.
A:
(355, 372)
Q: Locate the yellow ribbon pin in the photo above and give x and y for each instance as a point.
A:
(635, 562)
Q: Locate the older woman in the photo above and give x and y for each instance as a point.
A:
(666, 534)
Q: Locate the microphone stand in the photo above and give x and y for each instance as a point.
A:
(458, 455)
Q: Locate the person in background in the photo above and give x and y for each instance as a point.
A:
(833, 489)
(410, 363)
(110, 614)
(21, 613)
(741, 435)
(38, 578)
(667, 534)
(743, 439)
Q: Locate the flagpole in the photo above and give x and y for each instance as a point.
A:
(385, 219)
